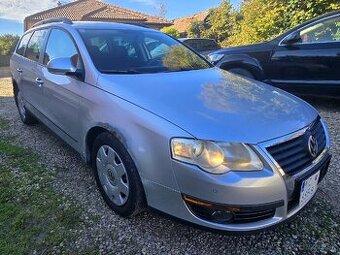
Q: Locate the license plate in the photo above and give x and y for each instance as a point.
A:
(308, 188)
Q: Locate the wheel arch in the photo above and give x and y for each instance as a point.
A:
(243, 61)
(93, 133)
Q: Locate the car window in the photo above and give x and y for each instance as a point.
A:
(35, 45)
(23, 43)
(195, 44)
(209, 45)
(135, 51)
(155, 47)
(325, 31)
(60, 45)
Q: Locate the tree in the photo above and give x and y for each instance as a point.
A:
(171, 31)
(261, 20)
(298, 11)
(7, 43)
(162, 10)
(220, 22)
(196, 29)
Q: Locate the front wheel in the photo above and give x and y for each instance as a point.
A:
(26, 117)
(116, 176)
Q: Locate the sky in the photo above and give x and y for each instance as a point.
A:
(13, 12)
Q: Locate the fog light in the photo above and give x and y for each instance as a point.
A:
(222, 216)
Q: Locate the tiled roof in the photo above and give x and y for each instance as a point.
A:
(182, 24)
(96, 10)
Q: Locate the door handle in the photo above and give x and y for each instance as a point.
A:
(39, 81)
(19, 70)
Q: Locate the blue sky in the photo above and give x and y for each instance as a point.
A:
(12, 12)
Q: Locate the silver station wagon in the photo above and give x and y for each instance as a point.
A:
(163, 128)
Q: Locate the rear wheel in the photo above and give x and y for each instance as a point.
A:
(26, 117)
(242, 72)
(116, 176)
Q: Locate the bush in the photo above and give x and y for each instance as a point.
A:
(171, 31)
(7, 44)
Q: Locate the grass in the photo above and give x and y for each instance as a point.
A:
(33, 217)
(3, 124)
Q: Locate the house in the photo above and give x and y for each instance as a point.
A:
(182, 24)
(96, 10)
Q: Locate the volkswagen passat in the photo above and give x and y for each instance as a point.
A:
(163, 128)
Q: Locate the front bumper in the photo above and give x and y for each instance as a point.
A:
(258, 200)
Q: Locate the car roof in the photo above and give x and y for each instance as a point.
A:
(93, 25)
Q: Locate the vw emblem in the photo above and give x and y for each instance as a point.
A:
(313, 146)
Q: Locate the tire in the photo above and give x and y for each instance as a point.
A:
(25, 115)
(242, 72)
(117, 176)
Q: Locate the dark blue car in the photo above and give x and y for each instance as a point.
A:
(304, 60)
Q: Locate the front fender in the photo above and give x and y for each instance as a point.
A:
(242, 61)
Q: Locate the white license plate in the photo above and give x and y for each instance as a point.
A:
(308, 188)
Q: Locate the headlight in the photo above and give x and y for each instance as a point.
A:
(215, 158)
(214, 58)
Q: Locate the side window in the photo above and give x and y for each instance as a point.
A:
(325, 31)
(156, 49)
(35, 45)
(23, 43)
(60, 45)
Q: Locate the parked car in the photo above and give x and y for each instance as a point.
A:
(164, 128)
(305, 60)
(201, 45)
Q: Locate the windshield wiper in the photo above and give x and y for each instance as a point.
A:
(129, 71)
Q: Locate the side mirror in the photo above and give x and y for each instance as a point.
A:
(293, 38)
(62, 66)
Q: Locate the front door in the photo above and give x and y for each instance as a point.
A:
(312, 65)
(61, 92)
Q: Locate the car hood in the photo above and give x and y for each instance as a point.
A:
(213, 104)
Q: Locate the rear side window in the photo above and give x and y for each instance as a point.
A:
(23, 43)
(35, 45)
(60, 45)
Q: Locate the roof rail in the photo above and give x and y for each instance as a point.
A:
(53, 20)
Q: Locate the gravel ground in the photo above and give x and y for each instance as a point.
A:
(315, 231)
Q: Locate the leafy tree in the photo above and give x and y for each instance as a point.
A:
(220, 22)
(7, 43)
(171, 31)
(196, 29)
(298, 11)
(260, 21)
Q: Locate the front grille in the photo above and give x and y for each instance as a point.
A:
(293, 156)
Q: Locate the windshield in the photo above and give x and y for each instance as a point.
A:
(134, 52)
(202, 45)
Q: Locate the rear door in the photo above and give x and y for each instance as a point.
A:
(61, 92)
(32, 83)
(18, 62)
(312, 65)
